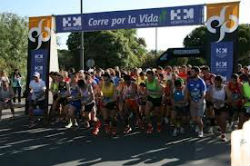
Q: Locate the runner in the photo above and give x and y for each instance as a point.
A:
(61, 91)
(180, 112)
(37, 97)
(3, 77)
(73, 107)
(16, 83)
(154, 91)
(108, 105)
(196, 93)
(129, 95)
(6, 95)
(245, 114)
(183, 72)
(244, 75)
(209, 80)
(89, 105)
(219, 97)
(167, 102)
(235, 89)
(142, 100)
(54, 85)
(141, 78)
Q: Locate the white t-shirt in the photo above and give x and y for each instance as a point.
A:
(4, 79)
(38, 88)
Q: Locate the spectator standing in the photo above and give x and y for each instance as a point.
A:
(16, 84)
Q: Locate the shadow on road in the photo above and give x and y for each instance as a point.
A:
(58, 146)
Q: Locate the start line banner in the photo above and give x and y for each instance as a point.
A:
(144, 18)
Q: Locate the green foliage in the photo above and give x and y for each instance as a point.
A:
(13, 43)
(66, 59)
(244, 44)
(197, 38)
(109, 48)
(151, 59)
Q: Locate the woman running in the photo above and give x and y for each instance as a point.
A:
(129, 95)
(142, 100)
(108, 105)
(74, 105)
(89, 105)
(180, 112)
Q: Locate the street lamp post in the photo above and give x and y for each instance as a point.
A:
(156, 41)
(82, 45)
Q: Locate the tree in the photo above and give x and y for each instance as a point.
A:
(151, 59)
(13, 43)
(109, 48)
(244, 44)
(66, 59)
(197, 38)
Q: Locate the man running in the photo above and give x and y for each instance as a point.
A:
(218, 95)
(196, 93)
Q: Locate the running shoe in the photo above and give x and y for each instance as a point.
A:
(159, 127)
(32, 124)
(95, 131)
(86, 125)
(150, 129)
(98, 124)
(76, 124)
(107, 128)
(166, 120)
(69, 125)
(127, 130)
(223, 138)
(201, 134)
(182, 130)
(175, 132)
(197, 129)
(211, 130)
(141, 124)
(114, 131)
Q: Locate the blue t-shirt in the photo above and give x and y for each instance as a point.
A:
(97, 80)
(179, 95)
(196, 88)
(116, 80)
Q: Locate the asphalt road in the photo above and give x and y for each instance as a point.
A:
(21, 146)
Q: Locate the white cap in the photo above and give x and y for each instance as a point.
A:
(36, 74)
(91, 70)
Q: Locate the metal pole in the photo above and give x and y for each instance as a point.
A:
(156, 41)
(82, 45)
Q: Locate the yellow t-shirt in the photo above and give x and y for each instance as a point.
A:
(108, 91)
(139, 80)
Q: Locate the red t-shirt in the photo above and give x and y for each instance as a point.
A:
(183, 75)
(67, 80)
(208, 79)
(236, 92)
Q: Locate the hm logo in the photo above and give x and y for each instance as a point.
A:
(182, 14)
(72, 21)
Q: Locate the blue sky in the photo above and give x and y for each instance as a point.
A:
(167, 36)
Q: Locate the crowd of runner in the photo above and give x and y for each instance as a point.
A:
(180, 97)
